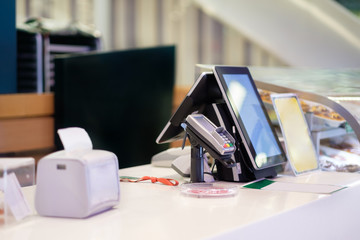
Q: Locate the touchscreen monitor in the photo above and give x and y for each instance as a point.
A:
(299, 146)
(250, 117)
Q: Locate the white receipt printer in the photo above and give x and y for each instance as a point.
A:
(78, 181)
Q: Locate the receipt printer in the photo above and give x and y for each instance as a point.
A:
(78, 181)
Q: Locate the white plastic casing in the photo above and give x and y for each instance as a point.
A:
(77, 184)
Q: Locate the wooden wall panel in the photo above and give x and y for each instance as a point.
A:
(26, 105)
(26, 134)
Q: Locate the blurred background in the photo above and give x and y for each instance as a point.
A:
(297, 33)
(309, 45)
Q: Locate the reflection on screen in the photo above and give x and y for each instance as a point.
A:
(299, 146)
(243, 98)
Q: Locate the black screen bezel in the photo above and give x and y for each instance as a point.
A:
(219, 71)
(203, 92)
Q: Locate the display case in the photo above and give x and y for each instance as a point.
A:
(330, 100)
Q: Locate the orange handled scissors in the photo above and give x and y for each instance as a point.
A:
(166, 181)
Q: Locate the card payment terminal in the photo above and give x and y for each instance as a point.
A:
(216, 137)
(215, 140)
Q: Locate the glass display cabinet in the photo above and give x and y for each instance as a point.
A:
(330, 100)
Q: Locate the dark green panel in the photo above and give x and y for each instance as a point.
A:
(123, 99)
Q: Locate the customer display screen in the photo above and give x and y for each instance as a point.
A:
(250, 117)
(299, 146)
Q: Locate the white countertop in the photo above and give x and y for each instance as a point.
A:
(156, 211)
